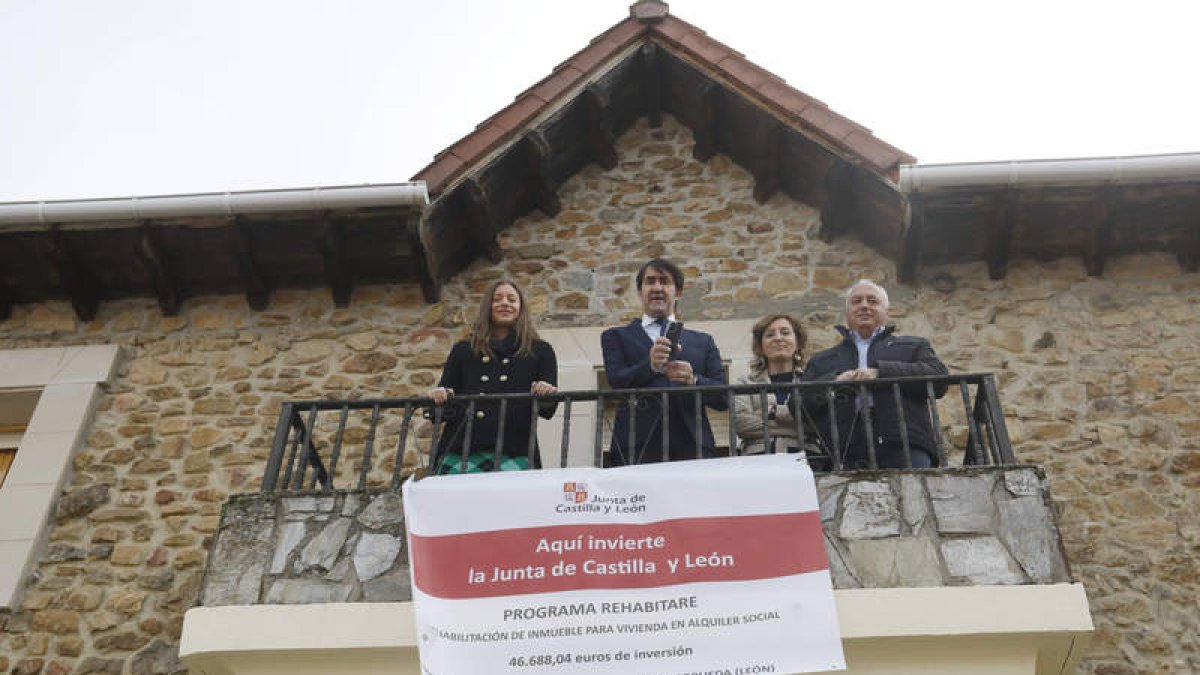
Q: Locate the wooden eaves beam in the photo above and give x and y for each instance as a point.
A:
(541, 189)
(705, 132)
(601, 139)
(914, 225)
(772, 136)
(1188, 253)
(482, 223)
(152, 253)
(1005, 210)
(838, 203)
(256, 289)
(431, 286)
(6, 299)
(1096, 248)
(74, 275)
(652, 83)
(332, 246)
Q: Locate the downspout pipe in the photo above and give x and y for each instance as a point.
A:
(1182, 167)
(228, 204)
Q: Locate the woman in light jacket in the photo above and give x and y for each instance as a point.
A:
(778, 344)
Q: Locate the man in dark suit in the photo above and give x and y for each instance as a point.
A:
(869, 349)
(637, 356)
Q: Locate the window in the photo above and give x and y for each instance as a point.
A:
(46, 401)
(10, 438)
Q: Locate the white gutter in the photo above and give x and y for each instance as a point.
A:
(1093, 171)
(215, 204)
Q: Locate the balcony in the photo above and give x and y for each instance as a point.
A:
(954, 569)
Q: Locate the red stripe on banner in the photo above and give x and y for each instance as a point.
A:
(509, 562)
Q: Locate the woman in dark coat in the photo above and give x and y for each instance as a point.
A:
(500, 354)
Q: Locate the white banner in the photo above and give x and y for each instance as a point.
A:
(706, 566)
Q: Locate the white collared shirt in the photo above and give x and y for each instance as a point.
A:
(863, 344)
(653, 330)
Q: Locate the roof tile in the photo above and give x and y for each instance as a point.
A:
(879, 154)
(706, 48)
(746, 73)
(478, 142)
(558, 82)
(675, 33)
(787, 98)
(517, 114)
(828, 122)
(674, 29)
(438, 172)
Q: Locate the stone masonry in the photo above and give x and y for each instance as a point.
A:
(950, 527)
(1098, 377)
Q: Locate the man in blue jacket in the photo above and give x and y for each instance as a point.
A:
(637, 356)
(870, 349)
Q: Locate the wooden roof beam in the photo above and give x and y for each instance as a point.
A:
(600, 137)
(705, 132)
(537, 159)
(914, 225)
(1096, 248)
(1000, 233)
(483, 224)
(772, 137)
(332, 246)
(74, 275)
(257, 292)
(6, 299)
(1188, 254)
(152, 253)
(431, 286)
(652, 83)
(839, 200)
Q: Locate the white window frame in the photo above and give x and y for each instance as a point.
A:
(69, 379)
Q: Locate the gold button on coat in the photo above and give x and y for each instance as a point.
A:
(479, 414)
(486, 359)
(484, 378)
(504, 378)
(505, 361)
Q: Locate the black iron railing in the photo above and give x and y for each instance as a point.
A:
(313, 439)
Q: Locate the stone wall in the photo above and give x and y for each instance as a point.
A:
(1098, 377)
(950, 527)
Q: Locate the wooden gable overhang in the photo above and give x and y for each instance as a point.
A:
(649, 65)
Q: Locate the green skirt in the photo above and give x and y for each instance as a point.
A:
(478, 462)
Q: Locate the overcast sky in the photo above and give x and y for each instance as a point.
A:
(138, 97)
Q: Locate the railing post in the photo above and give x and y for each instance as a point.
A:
(899, 403)
(566, 433)
(400, 445)
(598, 458)
(931, 407)
(993, 400)
(278, 447)
(370, 445)
(974, 447)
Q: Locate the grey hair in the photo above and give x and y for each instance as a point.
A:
(867, 282)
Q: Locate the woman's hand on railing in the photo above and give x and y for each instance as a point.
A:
(441, 394)
(541, 388)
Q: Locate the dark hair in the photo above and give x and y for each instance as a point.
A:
(480, 333)
(662, 266)
(760, 328)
